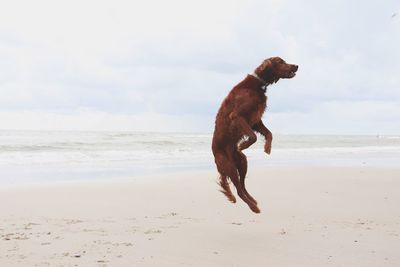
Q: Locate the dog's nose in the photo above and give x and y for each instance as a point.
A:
(295, 67)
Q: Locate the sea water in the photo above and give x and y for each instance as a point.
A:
(45, 156)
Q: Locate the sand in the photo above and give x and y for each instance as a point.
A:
(311, 216)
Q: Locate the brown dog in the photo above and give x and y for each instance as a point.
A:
(237, 119)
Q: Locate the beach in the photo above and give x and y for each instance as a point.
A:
(310, 216)
(114, 114)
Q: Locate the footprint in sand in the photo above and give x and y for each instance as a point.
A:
(152, 231)
(72, 221)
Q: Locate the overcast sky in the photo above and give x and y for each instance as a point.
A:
(167, 65)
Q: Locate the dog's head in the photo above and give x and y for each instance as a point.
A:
(275, 68)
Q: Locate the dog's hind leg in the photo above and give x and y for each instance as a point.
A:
(228, 168)
(241, 162)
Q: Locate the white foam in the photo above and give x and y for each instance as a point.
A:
(37, 155)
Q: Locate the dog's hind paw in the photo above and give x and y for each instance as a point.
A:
(255, 209)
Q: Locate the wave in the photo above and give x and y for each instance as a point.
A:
(38, 154)
(26, 141)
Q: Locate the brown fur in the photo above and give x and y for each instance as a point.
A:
(237, 119)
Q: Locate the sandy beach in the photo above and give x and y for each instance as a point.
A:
(311, 216)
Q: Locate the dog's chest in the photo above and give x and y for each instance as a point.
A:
(258, 111)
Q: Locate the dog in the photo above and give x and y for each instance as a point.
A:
(237, 120)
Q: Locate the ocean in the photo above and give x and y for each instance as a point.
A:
(55, 156)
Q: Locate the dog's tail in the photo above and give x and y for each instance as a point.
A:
(225, 189)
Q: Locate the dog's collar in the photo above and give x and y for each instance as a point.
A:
(264, 83)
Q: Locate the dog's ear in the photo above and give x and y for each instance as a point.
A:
(264, 65)
(265, 70)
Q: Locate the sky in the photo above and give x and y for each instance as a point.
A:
(167, 65)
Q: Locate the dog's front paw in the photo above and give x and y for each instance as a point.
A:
(241, 146)
(238, 147)
(267, 147)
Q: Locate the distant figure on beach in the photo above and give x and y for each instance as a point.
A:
(238, 118)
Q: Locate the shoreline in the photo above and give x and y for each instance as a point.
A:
(173, 173)
(42, 156)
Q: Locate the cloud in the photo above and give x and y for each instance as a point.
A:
(179, 59)
(337, 117)
(88, 120)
